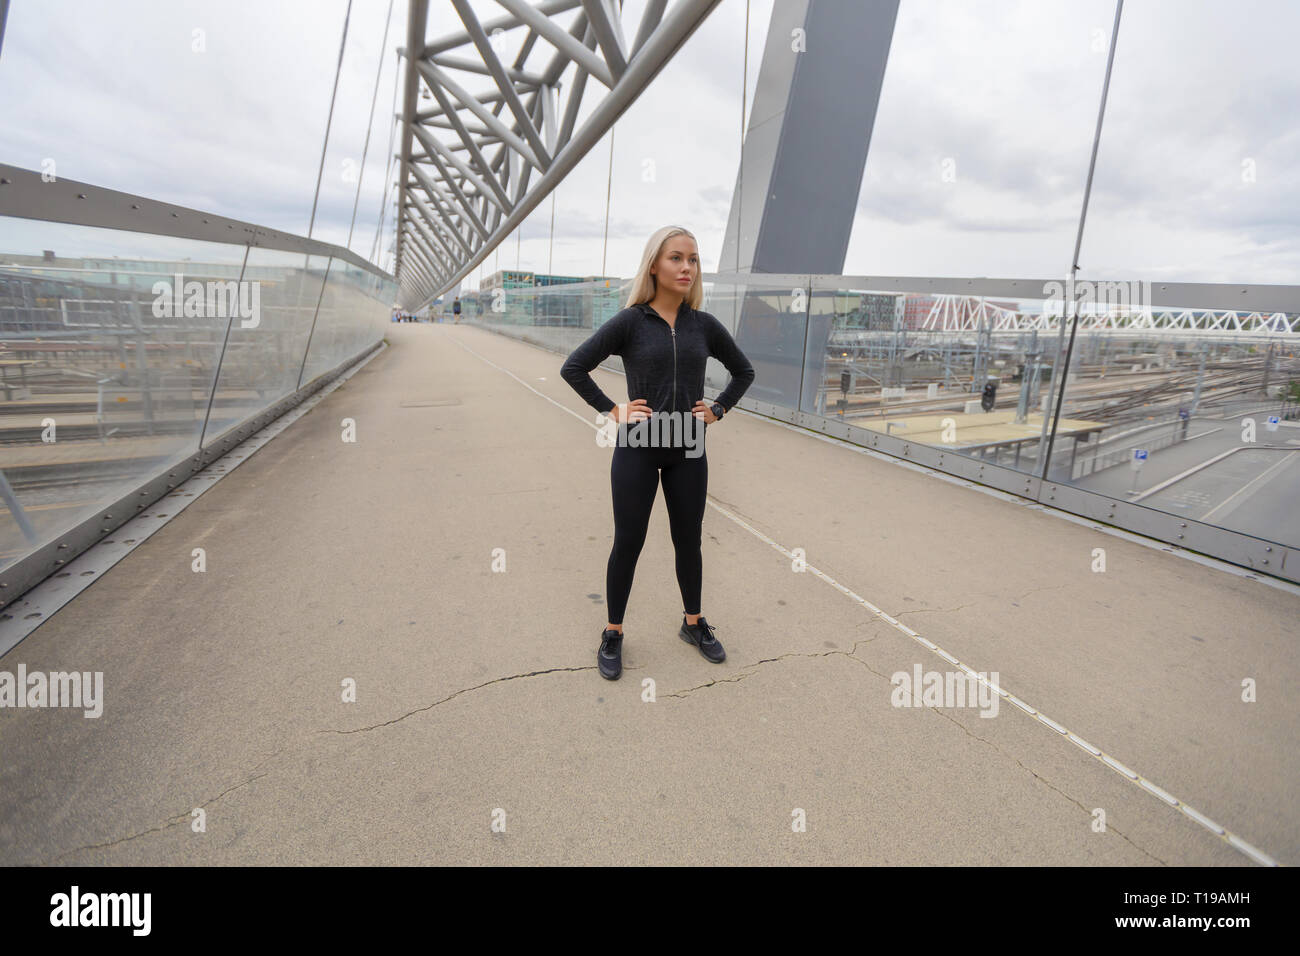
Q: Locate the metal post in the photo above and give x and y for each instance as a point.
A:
(1078, 242)
(216, 374)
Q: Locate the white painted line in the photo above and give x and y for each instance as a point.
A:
(1184, 474)
(1262, 478)
(1053, 724)
(1130, 775)
(1202, 819)
(1129, 536)
(1079, 741)
(1012, 698)
(1167, 798)
(1119, 766)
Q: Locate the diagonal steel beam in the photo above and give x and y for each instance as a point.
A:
(452, 194)
(650, 17)
(608, 35)
(445, 225)
(473, 66)
(503, 82)
(432, 263)
(575, 100)
(420, 265)
(438, 152)
(437, 77)
(437, 234)
(547, 9)
(417, 16)
(434, 146)
(559, 38)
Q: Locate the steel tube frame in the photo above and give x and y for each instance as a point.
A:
(537, 133)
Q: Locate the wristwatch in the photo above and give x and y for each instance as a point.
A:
(717, 410)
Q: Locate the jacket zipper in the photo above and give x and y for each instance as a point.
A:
(674, 331)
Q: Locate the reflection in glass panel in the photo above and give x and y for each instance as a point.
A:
(559, 315)
(971, 374)
(769, 325)
(264, 349)
(1200, 413)
(352, 313)
(108, 350)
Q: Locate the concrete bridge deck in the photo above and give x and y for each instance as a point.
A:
(477, 696)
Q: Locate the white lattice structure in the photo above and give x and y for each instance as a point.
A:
(963, 313)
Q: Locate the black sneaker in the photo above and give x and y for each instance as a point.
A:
(701, 635)
(610, 655)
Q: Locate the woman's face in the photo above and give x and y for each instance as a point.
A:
(678, 265)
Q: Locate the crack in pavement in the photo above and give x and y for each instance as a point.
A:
(852, 655)
(768, 660)
(165, 825)
(1032, 772)
(1054, 587)
(949, 610)
(1043, 780)
(923, 610)
(466, 690)
(182, 817)
(750, 670)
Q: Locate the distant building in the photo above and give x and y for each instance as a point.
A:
(871, 311)
(536, 298)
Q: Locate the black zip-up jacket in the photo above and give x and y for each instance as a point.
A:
(665, 364)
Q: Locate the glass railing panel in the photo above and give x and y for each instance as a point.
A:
(969, 374)
(769, 322)
(109, 344)
(350, 317)
(1198, 414)
(558, 317)
(268, 335)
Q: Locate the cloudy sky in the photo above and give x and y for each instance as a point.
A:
(977, 162)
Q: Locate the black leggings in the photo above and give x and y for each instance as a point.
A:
(634, 478)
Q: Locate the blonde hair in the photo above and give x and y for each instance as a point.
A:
(643, 284)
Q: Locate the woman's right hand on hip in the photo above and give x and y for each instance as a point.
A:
(634, 411)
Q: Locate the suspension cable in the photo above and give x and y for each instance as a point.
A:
(609, 186)
(330, 119)
(370, 122)
(383, 199)
(740, 179)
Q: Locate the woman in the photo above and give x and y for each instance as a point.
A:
(665, 344)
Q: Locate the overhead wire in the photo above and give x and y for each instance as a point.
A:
(330, 119)
(370, 122)
(383, 199)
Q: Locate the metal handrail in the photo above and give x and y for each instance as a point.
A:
(25, 195)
